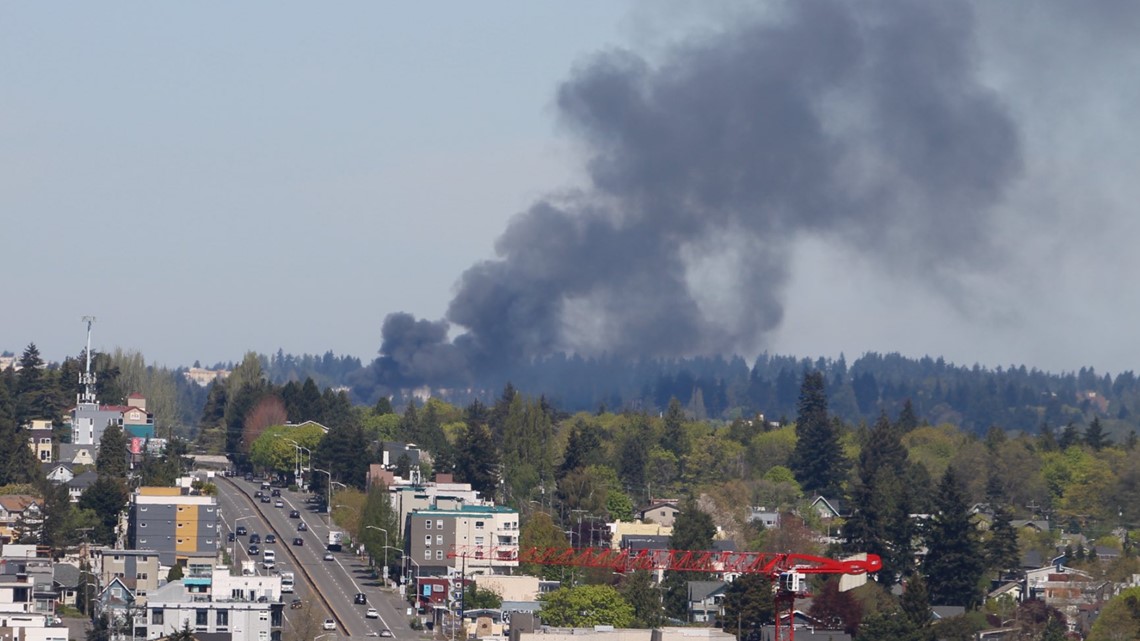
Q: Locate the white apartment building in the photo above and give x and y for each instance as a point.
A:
(211, 600)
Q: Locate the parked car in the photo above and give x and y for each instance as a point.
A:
(270, 538)
(241, 530)
(360, 598)
(294, 514)
(372, 613)
(329, 624)
(298, 541)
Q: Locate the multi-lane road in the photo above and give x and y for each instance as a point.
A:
(326, 584)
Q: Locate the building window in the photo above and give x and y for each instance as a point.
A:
(156, 617)
(263, 615)
(427, 555)
(439, 524)
(141, 576)
(202, 618)
(427, 539)
(478, 525)
(478, 540)
(117, 593)
(223, 618)
(439, 555)
(439, 539)
(427, 524)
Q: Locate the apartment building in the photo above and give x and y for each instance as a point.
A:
(139, 570)
(39, 439)
(487, 536)
(210, 600)
(178, 525)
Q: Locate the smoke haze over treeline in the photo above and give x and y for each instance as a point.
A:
(860, 122)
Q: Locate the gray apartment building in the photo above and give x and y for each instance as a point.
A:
(485, 536)
(177, 525)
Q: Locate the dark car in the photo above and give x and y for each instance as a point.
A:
(253, 549)
(275, 492)
(360, 598)
(255, 538)
(248, 476)
(270, 538)
(296, 603)
(231, 537)
(298, 541)
(301, 527)
(265, 498)
(257, 494)
(241, 530)
(294, 514)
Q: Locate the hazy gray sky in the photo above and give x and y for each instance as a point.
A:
(210, 178)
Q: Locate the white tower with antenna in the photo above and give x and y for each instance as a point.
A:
(87, 377)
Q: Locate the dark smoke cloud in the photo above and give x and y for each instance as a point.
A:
(859, 122)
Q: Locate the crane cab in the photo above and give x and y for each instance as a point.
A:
(792, 582)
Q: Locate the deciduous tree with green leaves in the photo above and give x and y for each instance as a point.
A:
(586, 606)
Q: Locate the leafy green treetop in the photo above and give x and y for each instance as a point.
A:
(586, 606)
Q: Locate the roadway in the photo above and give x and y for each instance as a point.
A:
(337, 581)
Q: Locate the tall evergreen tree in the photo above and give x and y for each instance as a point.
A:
(1094, 435)
(954, 562)
(1002, 552)
(583, 447)
(748, 604)
(639, 589)
(1070, 436)
(907, 420)
(817, 460)
(106, 498)
(112, 458)
(410, 422)
(33, 392)
(673, 439)
(476, 459)
(693, 529)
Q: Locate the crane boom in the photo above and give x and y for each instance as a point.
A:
(785, 570)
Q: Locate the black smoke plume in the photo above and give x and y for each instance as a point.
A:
(862, 123)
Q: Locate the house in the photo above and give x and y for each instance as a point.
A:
(660, 511)
(39, 439)
(65, 580)
(58, 472)
(770, 519)
(1033, 525)
(830, 508)
(19, 515)
(117, 601)
(137, 569)
(394, 451)
(77, 485)
(1012, 590)
(621, 530)
(77, 454)
(706, 600)
(636, 543)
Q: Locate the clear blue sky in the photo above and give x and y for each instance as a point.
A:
(210, 178)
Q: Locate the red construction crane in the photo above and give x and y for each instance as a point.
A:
(786, 571)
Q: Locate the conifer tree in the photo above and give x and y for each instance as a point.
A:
(1094, 435)
(954, 561)
(817, 460)
(1001, 549)
(112, 458)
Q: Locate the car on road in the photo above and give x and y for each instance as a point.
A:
(230, 537)
(257, 494)
(296, 603)
(255, 538)
(372, 613)
(241, 530)
(298, 541)
(329, 624)
(294, 514)
(276, 492)
(301, 527)
(360, 598)
(329, 556)
(386, 633)
(265, 498)
(270, 538)
(253, 549)
(278, 503)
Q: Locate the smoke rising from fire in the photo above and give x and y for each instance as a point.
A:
(863, 123)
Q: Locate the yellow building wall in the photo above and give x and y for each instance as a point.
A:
(186, 529)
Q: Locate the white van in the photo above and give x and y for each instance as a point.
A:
(269, 559)
(286, 581)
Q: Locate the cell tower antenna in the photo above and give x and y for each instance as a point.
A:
(87, 378)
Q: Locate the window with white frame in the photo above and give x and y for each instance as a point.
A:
(427, 524)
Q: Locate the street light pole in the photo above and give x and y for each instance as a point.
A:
(373, 527)
(328, 505)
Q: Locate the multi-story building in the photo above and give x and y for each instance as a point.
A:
(139, 570)
(178, 525)
(487, 537)
(442, 493)
(210, 600)
(89, 419)
(39, 439)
